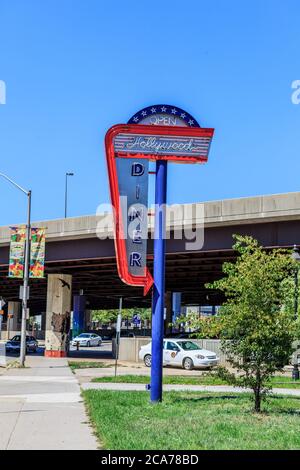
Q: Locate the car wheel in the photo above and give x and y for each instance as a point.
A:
(99, 343)
(188, 364)
(147, 360)
(88, 344)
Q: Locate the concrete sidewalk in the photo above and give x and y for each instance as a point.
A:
(41, 408)
(181, 388)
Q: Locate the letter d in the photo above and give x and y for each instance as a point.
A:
(137, 169)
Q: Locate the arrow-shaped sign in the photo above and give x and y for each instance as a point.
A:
(129, 148)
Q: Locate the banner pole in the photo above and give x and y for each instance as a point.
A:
(25, 285)
(118, 334)
(159, 281)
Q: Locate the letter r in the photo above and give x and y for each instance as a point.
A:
(135, 259)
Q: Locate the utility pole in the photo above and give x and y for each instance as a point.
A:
(66, 193)
(25, 287)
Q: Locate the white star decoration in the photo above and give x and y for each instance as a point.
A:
(164, 109)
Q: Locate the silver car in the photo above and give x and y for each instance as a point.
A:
(87, 339)
(14, 344)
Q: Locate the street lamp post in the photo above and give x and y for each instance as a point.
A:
(296, 257)
(66, 192)
(25, 292)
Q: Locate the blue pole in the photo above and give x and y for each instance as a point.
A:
(159, 282)
(79, 304)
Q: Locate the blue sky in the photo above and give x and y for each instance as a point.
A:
(73, 68)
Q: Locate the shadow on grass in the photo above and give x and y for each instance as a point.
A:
(279, 397)
(205, 398)
(290, 412)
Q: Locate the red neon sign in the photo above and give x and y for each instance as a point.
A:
(177, 144)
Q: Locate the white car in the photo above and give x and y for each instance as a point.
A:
(87, 339)
(182, 353)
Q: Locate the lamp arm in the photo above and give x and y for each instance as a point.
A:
(15, 184)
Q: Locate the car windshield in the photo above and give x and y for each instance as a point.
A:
(84, 335)
(16, 338)
(188, 345)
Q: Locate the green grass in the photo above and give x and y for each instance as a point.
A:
(190, 421)
(205, 379)
(282, 381)
(167, 379)
(87, 365)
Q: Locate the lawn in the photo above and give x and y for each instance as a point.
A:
(87, 365)
(205, 379)
(190, 421)
(167, 379)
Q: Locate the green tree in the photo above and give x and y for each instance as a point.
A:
(110, 316)
(105, 317)
(257, 324)
(203, 327)
(144, 313)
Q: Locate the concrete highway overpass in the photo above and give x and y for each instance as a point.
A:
(73, 247)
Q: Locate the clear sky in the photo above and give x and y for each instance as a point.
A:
(73, 68)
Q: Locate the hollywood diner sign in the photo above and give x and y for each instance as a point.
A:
(129, 148)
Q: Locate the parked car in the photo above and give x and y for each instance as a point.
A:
(87, 339)
(14, 344)
(181, 353)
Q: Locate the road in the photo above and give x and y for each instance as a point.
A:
(97, 352)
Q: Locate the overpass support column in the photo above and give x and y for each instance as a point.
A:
(43, 322)
(58, 314)
(176, 305)
(13, 319)
(87, 320)
(168, 312)
(79, 302)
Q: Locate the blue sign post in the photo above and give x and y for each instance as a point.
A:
(158, 301)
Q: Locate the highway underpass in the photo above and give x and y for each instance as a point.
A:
(72, 247)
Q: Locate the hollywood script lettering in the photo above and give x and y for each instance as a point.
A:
(160, 144)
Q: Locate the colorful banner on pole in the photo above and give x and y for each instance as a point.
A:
(37, 253)
(17, 252)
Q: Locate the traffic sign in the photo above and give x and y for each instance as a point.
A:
(136, 319)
